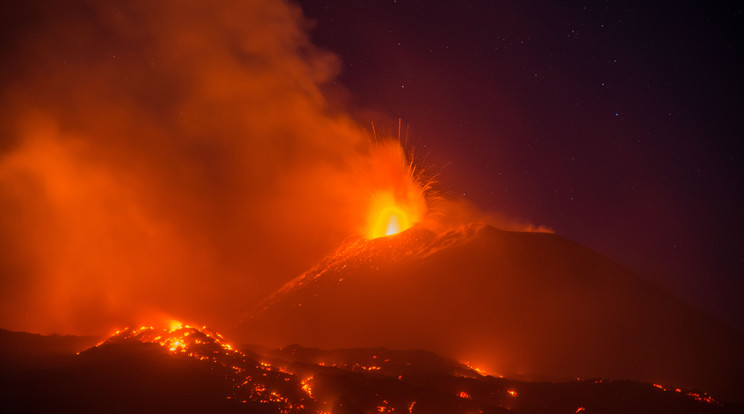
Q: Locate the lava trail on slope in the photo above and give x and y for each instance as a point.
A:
(194, 370)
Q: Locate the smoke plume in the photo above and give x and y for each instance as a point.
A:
(169, 158)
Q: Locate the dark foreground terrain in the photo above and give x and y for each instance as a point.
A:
(187, 370)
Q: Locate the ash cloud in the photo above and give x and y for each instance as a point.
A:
(164, 158)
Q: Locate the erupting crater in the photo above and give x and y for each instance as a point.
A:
(388, 217)
(397, 191)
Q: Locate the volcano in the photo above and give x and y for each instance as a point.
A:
(524, 305)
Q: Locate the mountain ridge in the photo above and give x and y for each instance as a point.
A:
(192, 370)
(532, 305)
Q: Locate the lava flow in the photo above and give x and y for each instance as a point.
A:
(254, 381)
(364, 380)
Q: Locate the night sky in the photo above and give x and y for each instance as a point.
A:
(615, 124)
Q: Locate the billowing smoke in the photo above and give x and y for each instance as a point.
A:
(179, 159)
(168, 158)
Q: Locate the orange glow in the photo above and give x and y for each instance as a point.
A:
(465, 395)
(512, 393)
(393, 222)
(395, 191)
(385, 408)
(206, 345)
(388, 216)
(306, 386)
(704, 398)
(700, 397)
(276, 178)
(478, 370)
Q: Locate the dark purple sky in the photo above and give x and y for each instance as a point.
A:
(616, 124)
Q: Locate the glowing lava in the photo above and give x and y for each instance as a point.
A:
(397, 198)
(298, 380)
(388, 218)
(254, 381)
(393, 225)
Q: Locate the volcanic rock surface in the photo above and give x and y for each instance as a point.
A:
(194, 370)
(521, 304)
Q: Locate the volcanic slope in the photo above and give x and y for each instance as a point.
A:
(186, 369)
(521, 304)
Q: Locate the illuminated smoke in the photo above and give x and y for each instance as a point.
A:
(171, 158)
(179, 159)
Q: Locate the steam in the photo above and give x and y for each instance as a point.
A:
(448, 212)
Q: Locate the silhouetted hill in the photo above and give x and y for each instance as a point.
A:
(189, 370)
(526, 305)
(21, 351)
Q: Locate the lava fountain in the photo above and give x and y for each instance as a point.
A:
(397, 199)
